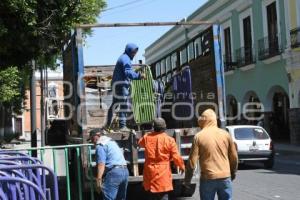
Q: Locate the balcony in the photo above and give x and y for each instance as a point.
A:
(245, 56)
(295, 38)
(268, 47)
(229, 65)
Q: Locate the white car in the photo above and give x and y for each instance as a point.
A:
(253, 143)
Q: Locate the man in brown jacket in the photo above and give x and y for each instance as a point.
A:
(217, 153)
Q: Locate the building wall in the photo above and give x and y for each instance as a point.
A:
(265, 77)
(27, 111)
(293, 67)
(293, 14)
(239, 81)
(260, 77)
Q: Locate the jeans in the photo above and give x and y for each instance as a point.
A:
(115, 184)
(157, 196)
(120, 98)
(209, 188)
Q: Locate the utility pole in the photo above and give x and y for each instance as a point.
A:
(42, 106)
(33, 109)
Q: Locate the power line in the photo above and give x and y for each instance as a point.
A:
(130, 8)
(121, 5)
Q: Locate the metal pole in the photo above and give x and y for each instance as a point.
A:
(67, 173)
(42, 111)
(80, 97)
(198, 22)
(46, 96)
(95, 66)
(33, 108)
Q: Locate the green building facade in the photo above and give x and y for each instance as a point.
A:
(256, 46)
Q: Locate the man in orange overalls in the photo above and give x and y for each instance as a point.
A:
(160, 149)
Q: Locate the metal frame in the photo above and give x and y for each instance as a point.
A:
(103, 25)
(77, 52)
(80, 64)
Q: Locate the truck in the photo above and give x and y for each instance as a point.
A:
(88, 95)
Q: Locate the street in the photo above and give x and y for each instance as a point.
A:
(282, 182)
(253, 182)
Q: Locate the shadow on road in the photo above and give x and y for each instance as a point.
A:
(280, 167)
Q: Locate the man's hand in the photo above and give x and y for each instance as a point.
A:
(186, 185)
(138, 69)
(233, 176)
(143, 76)
(98, 185)
(186, 189)
(181, 171)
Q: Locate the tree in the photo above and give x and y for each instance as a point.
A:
(9, 84)
(11, 93)
(37, 29)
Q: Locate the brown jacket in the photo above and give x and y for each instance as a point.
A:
(214, 148)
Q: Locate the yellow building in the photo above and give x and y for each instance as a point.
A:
(293, 65)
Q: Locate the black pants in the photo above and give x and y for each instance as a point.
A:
(157, 196)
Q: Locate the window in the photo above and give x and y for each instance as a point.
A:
(168, 64)
(250, 134)
(164, 78)
(52, 90)
(197, 47)
(169, 77)
(247, 40)
(206, 45)
(227, 44)
(272, 28)
(247, 32)
(269, 46)
(163, 67)
(191, 52)
(272, 20)
(183, 56)
(174, 61)
(157, 69)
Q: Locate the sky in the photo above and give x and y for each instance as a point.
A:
(107, 44)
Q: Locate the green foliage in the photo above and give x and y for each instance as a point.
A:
(10, 82)
(37, 29)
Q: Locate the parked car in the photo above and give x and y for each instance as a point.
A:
(253, 143)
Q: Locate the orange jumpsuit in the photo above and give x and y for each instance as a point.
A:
(160, 149)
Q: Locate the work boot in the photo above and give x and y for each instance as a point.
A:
(125, 129)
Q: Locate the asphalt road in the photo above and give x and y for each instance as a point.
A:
(282, 182)
(253, 182)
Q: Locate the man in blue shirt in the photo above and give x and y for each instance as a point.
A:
(122, 75)
(112, 174)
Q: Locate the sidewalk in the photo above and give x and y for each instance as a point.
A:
(287, 148)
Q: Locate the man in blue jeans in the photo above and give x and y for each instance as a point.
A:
(215, 150)
(122, 75)
(112, 172)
